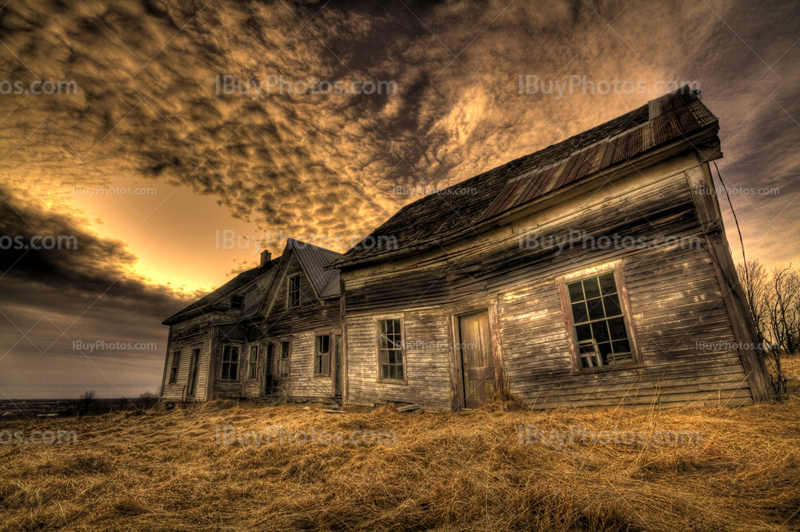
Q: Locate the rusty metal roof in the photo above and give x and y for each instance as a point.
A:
(672, 116)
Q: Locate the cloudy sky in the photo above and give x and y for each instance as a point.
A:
(319, 121)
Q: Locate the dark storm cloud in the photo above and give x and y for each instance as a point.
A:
(71, 302)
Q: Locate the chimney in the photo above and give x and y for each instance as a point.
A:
(266, 256)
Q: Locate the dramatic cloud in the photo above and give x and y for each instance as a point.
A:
(294, 157)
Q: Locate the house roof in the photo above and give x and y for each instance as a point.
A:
(210, 300)
(314, 259)
(454, 211)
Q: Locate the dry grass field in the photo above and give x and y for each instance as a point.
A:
(465, 471)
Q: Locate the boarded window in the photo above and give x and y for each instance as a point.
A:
(252, 366)
(390, 349)
(599, 322)
(173, 372)
(283, 361)
(293, 287)
(322, 355)
(230, 363)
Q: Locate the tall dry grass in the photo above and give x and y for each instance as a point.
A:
(463, 471)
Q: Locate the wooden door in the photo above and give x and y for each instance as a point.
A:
(476, 359)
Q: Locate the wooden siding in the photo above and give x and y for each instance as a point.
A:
(427, 362)
(299, 325)
(184, 337)
(675, 302)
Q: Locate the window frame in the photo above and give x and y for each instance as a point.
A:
(252, 365)
(617, 268)
(378, 334)
(276, 376)
(324, 371)
(237, 363)
(289, 286)
(174, 367)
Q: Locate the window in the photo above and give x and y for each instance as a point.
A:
(322, 355)
(283, 361)
(599, 322)
(390, 349)
(252, 366)
(173, 372)
(293, 291)
(230, 363)
(194, 365)
(237, 302)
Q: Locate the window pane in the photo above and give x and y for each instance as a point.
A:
(607, 284)
(584, 332)
(579, 313)
(575, 292)
(621, 346)
(595, 309)
(600, 331)
(617, 327)
(612, 305)
(591, 288)
(399, 372)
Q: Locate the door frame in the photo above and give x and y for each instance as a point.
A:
(457, 393)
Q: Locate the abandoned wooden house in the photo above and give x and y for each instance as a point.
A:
(272, 330)
(595, 272)
(194, 332)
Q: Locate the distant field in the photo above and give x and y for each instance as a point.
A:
(737, 469)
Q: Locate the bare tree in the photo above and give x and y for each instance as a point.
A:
(774, 303)
(148, 398)
(87, 399)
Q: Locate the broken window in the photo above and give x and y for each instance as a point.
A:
(237, 301)
(599, 322)
(283, 360)
(230, 363)
(173, 372)
(322, 355)
(293, 286)
(390, 349)
(252, 366)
